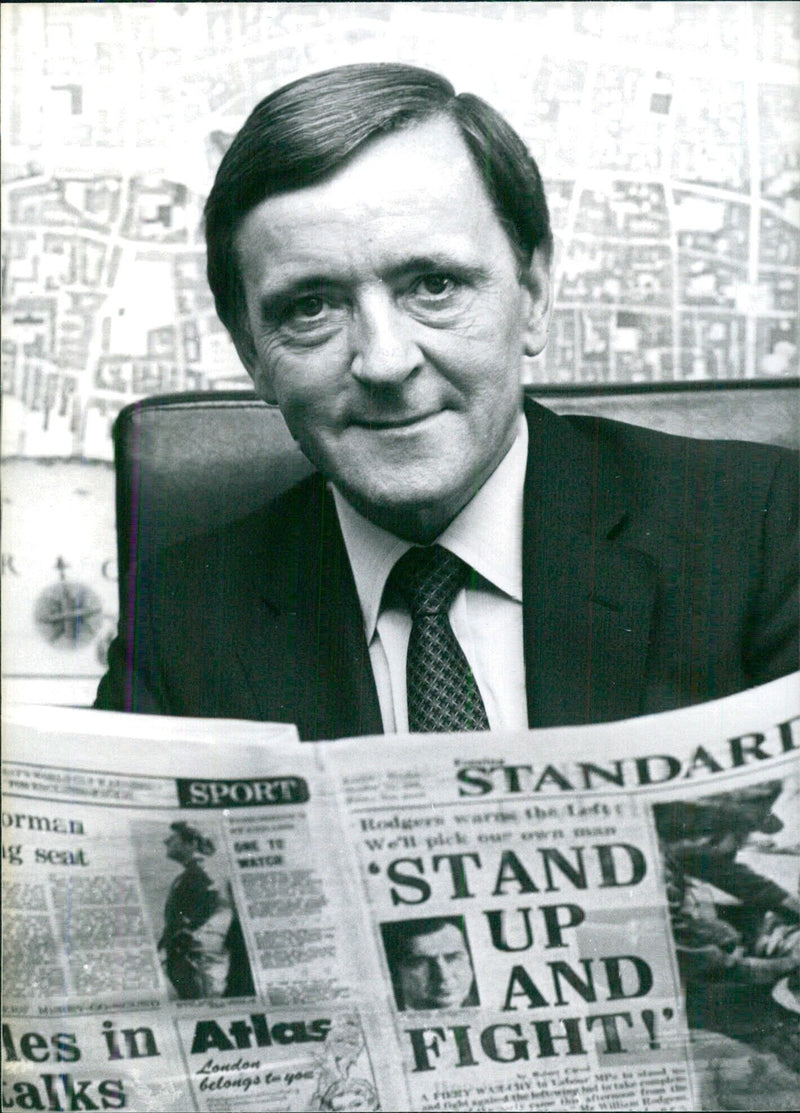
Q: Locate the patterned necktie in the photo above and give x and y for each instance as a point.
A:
(442, 692)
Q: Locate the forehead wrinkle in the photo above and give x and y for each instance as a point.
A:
(389, 194)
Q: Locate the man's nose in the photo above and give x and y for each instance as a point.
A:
(384, 350)
(439, 972)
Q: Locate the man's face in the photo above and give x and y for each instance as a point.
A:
(435, 971)
(389, 322)
(177, 849)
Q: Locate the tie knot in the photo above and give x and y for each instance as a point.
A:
(429, 579)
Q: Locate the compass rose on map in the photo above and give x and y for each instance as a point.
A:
(68, 613)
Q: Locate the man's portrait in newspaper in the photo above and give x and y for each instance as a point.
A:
(430, 963)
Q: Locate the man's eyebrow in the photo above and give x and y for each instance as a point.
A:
(421, 264)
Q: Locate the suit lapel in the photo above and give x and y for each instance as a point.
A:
(302, 643)
(588, 597)
(587, 602)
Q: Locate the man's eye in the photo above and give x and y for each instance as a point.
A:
(435, 285)
(307, 308)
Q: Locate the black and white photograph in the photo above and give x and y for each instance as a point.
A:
(200, 941)
(389, 374)
(430, 963)
(732, 875)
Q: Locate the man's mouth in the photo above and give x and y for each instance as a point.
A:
(448, 1002)
(444, 995)
(400, 421)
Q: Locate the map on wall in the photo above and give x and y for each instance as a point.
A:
(667, 134)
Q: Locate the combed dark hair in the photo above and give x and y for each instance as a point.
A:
(307, 130)
(398, 934)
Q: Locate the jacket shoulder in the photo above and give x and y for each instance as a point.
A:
(639, 441)
(653, 463)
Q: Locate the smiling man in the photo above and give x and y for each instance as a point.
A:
(379, 249)
(390, 323)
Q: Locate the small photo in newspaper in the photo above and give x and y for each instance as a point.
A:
(430, 963)
(187, 886)
(731, 865)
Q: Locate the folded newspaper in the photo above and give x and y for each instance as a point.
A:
(206, 915)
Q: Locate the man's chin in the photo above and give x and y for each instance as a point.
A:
(411, 510)
(448, 1001)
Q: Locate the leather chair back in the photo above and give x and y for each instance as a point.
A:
(187, 462)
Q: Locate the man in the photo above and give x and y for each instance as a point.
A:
(202, 945)
(379, 249)
(430, 963)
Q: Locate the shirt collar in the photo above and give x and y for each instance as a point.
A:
(487, 534)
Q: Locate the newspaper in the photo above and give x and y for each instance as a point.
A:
(206, 915)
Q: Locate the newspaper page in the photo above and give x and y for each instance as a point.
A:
(178, 931)
(599, 918)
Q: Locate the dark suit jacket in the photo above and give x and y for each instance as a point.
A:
(658, 571)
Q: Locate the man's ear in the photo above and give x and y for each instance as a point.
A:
(537, 280)
(246, 351)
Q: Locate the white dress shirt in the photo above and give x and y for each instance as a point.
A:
(486, 616)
